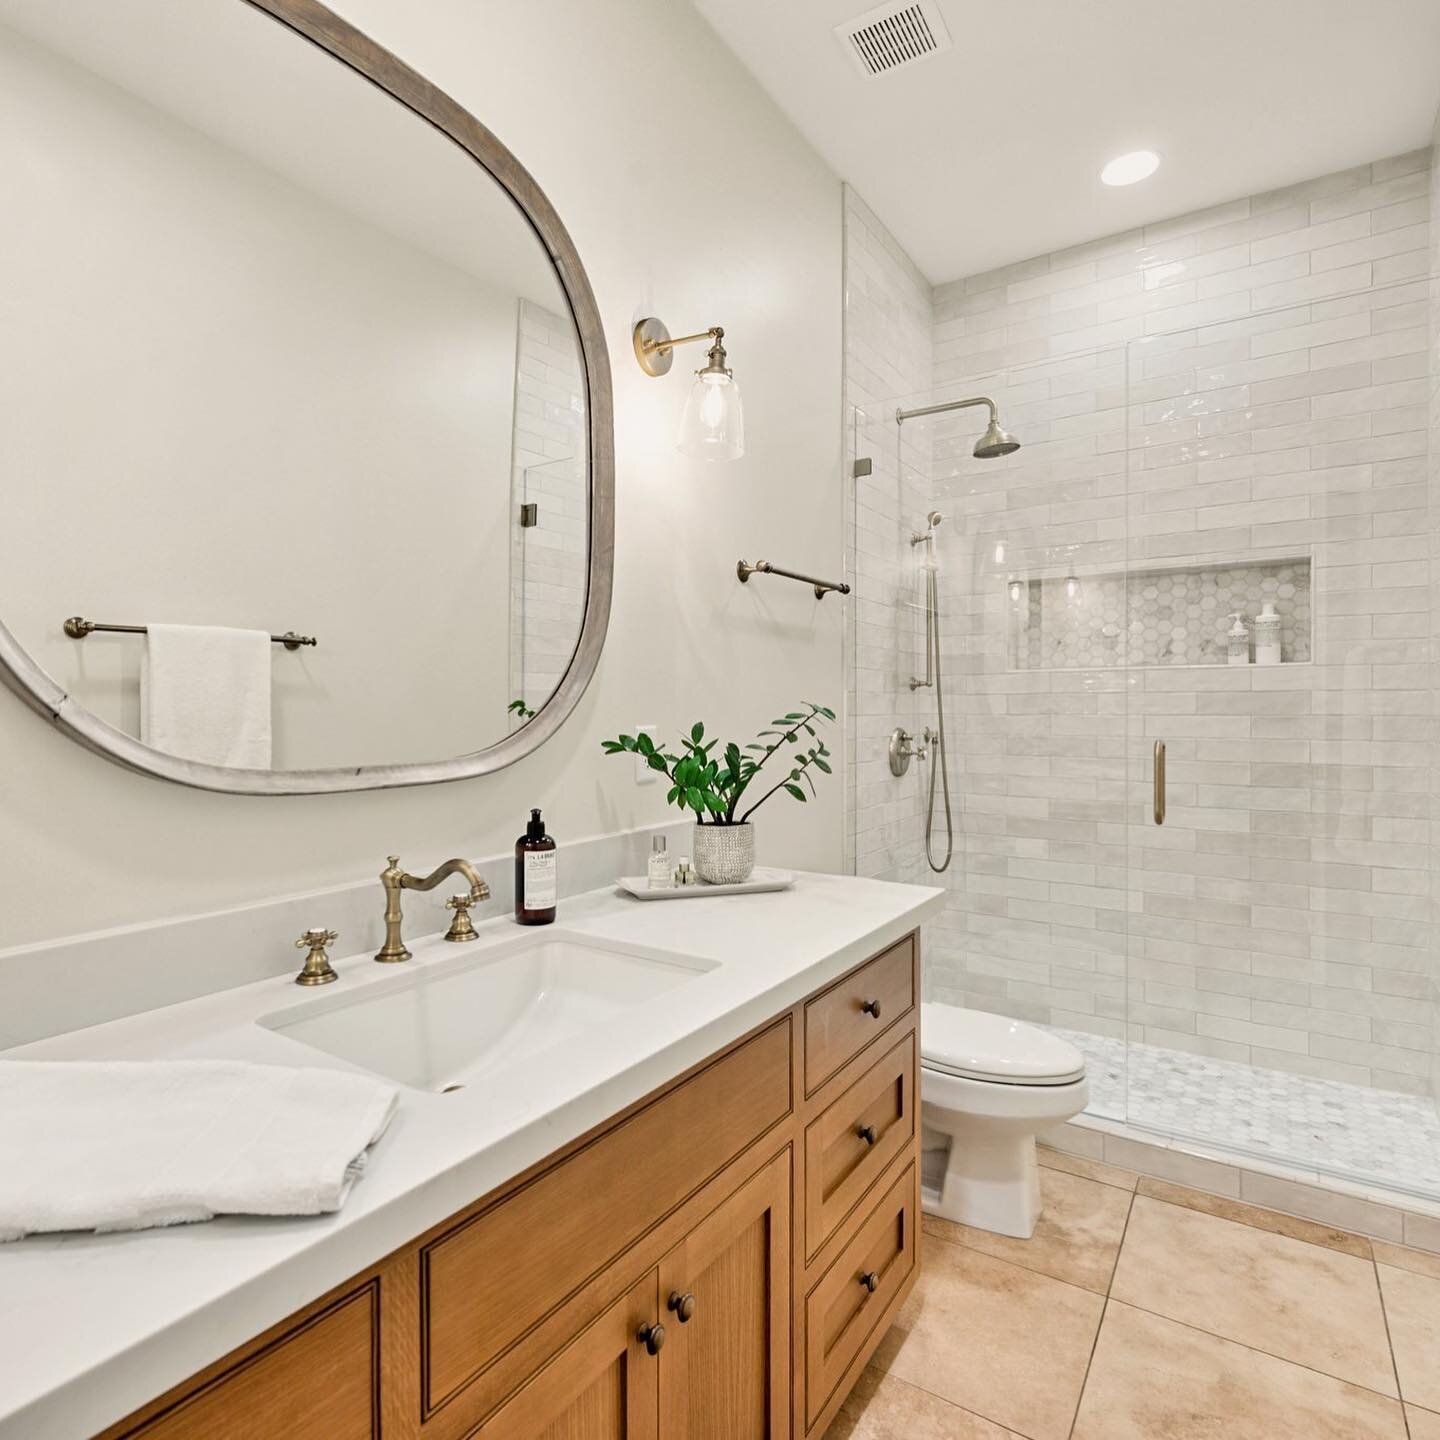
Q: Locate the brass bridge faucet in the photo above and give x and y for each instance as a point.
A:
(394, 879)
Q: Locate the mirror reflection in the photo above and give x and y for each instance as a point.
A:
(277, 357)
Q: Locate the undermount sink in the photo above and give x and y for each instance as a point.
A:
(445, 1025)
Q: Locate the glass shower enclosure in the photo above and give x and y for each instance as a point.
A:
(1185, 631)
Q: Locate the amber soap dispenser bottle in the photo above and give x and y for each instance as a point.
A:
(535, 874)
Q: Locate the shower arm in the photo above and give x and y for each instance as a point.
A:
(901, 416)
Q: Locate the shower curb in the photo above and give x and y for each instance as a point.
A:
(1380, 1214)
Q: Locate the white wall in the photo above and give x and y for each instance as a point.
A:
(745, 235)
(231, 402)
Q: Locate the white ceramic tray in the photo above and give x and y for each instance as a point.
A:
(760, 880)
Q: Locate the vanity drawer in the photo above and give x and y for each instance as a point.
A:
(842, 1020)
(850, 1144)
(319, 1381)
(490, 1280)
(842, 1311)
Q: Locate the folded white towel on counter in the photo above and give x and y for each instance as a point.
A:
(126, 1145)
(205, 694)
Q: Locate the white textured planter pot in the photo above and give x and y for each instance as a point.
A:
(724, 854)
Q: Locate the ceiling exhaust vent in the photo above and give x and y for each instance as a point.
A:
(893, 35)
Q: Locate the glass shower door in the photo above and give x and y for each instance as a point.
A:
(1276, 616)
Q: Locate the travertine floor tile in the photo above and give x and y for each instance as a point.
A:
(880, 1407)
(1424, 1424)
(1153, 1379)
(1412, 1306)
(993, 1338)
(1422, 1262)
(1299, 1301)
(1077, 1238)
(1087, 1169)
(1273, 1220)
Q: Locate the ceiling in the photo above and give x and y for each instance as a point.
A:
(990, 152)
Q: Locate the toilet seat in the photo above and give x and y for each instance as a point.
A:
(975, 1045)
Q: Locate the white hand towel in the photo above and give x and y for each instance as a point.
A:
(205, 694)
(125, 1145)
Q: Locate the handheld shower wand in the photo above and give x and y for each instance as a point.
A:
(936, 737)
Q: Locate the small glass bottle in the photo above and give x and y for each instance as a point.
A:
(1239, 640)
(535, 874)
(661, 875)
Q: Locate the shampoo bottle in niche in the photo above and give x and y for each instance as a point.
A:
(1267, 636)
(535, 874)
(1238, 639)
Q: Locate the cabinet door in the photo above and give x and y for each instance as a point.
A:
(604, 1385)
(725, 1296)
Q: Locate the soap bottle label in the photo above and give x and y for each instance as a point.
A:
(540, 879)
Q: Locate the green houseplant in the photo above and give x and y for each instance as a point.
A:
(718, 789)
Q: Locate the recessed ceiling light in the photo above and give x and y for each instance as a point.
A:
(1127, 169)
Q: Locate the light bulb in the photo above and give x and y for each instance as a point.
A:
(713, 426)
(1016, 591)
(1072, 587)
(999, 552)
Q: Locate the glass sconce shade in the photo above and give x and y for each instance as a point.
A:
(713, 426)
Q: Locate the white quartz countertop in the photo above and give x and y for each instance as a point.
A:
(92, 1326)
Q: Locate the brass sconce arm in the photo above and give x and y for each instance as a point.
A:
(654, 346)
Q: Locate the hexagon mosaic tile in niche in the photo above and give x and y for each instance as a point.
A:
(1155, 617)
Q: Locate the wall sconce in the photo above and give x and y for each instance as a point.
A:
(713, 425)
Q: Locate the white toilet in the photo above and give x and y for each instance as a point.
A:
(988, 1086)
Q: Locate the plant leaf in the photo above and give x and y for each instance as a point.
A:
(697, 732)
(795, 790)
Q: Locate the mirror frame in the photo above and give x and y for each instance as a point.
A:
(313, 22)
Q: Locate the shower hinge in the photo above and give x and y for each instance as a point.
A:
(863, 466)
(529, 515)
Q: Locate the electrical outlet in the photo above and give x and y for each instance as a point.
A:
(644, 775)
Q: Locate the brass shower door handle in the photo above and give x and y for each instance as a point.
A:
(1159, 782)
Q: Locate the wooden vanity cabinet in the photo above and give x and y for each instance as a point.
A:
(717, 1262)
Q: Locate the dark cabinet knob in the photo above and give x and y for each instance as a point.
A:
(871, 1281)
(867, 1134)
(871, 1007)
(653, 1336)
(682, 1305)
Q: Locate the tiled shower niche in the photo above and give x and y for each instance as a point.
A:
(1176, 616)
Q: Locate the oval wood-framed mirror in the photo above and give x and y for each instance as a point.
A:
(455, 635)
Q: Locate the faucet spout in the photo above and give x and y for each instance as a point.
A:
(394, 879)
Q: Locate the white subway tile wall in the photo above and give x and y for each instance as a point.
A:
(548, 470)
(1230, 389)
(888, 324)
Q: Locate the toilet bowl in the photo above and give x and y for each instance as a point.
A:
(988, 1086)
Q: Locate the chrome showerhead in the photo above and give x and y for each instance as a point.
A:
(995, 442)
(933, 518)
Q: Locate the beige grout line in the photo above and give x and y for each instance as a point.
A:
(1390, 1345)
(1269, 1354)
(1104, 1310)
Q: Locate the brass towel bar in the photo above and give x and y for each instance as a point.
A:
(78, 629)
(763, 567)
